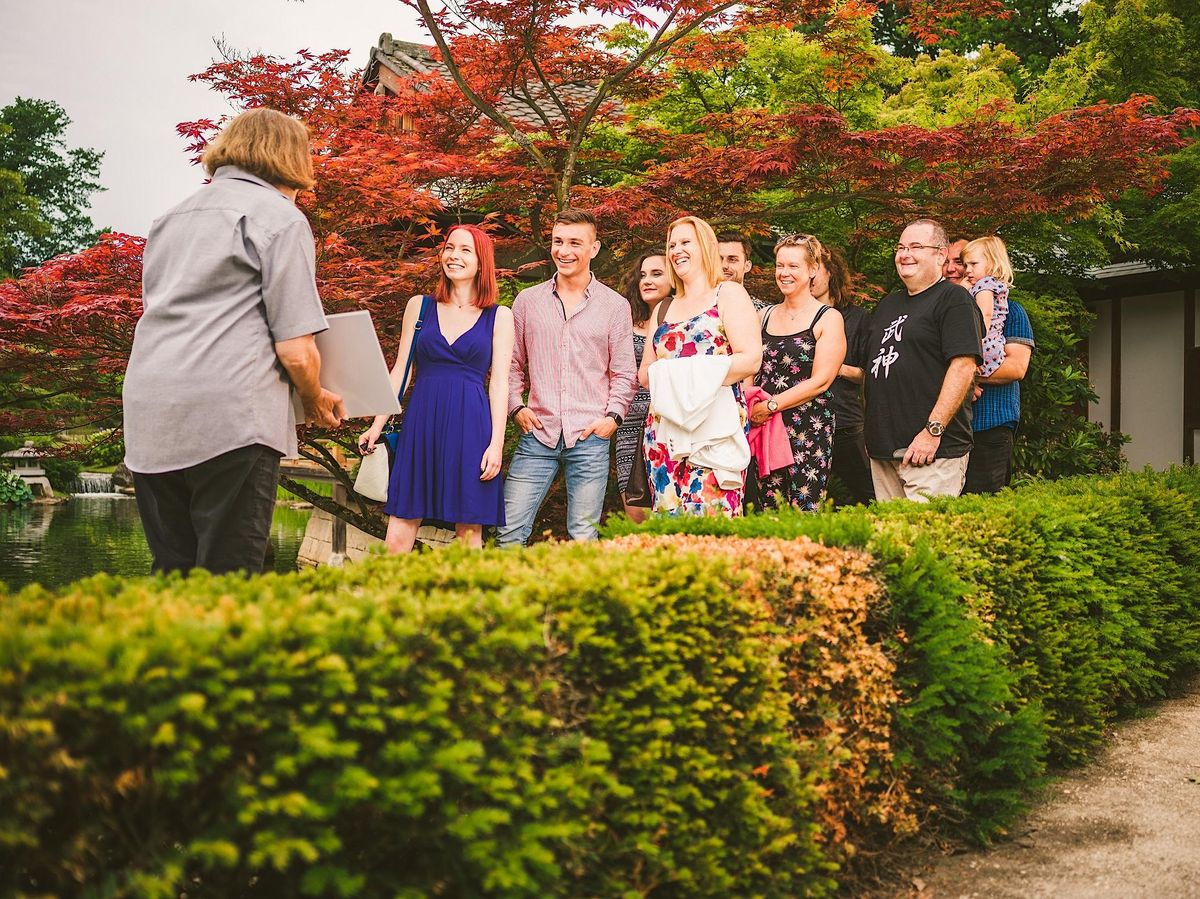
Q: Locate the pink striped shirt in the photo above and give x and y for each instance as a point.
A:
(577, 367)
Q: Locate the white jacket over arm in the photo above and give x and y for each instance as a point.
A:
(699, 416)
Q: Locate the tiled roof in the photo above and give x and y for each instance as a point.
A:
(532, 106)
(1121, 270)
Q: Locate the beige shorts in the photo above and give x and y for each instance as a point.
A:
(941, 477)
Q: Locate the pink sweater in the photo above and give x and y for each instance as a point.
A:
(769, 443)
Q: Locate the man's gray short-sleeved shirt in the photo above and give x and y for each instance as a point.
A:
(227, 273)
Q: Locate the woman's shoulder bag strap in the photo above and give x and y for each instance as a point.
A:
(412, 347)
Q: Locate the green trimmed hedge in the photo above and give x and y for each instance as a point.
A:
(568, 721)
(1021, 624)
(666, 717)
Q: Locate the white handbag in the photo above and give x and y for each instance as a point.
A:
(374, 474)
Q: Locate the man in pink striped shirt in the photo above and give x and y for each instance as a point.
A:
(574, 355)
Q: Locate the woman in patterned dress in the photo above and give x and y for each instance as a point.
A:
(804, 344)
(705, 317)
(646, 285)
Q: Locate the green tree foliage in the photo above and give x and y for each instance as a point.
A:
(18, 215)
(1166, 227)
(1036, 30)
(45, 186)
(1140, 47)
(1129, 47)
(774, 68)
(950, 89)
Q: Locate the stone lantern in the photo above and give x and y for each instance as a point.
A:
(25, 464)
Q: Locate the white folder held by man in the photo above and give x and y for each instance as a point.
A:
(352, 366)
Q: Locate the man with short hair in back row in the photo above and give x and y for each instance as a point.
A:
(734, 250)
(997, 411)
(954, 268)
(924, 347)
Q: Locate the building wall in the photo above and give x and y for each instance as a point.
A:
(1145, 344)
(1100, 364)
(1192, 382)
(1152, 379)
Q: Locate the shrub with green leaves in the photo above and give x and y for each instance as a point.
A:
(569, 721)
(957, 701)
(13, 489)
(655, 716)
(1021, 624)
(1092, 587)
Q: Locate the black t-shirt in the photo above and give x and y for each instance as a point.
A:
(847, 396)
(910, 344)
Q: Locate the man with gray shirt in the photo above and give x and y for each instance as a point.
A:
(230, 307)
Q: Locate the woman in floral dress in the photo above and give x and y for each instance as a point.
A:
(804, 344)
(705, 317)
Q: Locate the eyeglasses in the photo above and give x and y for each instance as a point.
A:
(917, 247)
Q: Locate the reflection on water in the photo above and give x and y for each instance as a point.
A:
(56, 544)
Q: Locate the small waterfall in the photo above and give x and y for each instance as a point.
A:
(93, 482)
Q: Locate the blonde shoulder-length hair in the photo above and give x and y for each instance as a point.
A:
(995, 257)
(265, 143)
(710, 256)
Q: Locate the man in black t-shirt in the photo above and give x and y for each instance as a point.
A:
(923, 348)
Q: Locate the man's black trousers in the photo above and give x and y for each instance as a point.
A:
(851, 468)
(989, 469)
(215, 515)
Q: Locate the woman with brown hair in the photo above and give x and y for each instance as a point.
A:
(851, 469)
(646, 285)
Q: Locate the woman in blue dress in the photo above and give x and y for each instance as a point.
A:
(451, 440)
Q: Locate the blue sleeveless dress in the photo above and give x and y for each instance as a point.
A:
(447, 426)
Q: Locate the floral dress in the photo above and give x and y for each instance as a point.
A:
(993, 340)
(787, 361)
(680, 488)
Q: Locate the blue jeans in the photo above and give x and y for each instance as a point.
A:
(533, 469)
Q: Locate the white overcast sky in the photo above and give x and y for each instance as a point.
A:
(120, 68)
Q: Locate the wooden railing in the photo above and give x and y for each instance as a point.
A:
(303, 470)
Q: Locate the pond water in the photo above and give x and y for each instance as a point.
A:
(56, 544)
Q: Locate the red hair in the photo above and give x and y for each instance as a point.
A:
(486, 290)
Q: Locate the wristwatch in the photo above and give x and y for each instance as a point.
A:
(772, 406)
(615, 417)
(935, 428)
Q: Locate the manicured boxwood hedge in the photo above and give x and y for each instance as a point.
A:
(572, 721)
(1021, 624)
(694, 708)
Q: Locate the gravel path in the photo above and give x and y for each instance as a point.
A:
(1126, 826)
